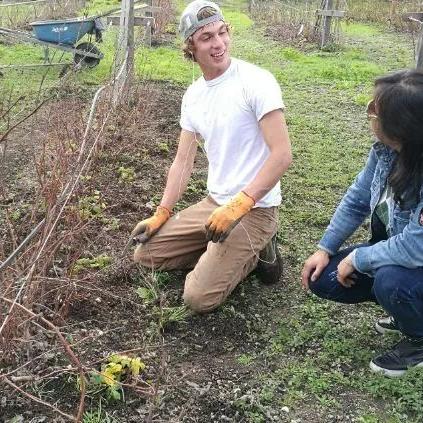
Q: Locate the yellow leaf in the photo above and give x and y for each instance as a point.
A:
(125, 361)
(108, 378)
(136, 366)
(114, 368)
(114, 358)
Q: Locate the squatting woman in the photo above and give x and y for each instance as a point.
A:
(389, 268)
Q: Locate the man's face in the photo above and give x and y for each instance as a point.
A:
(211, 49)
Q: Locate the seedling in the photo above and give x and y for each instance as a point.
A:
(118, 369)
(99, 262)
(126, 174)
(163, 147)
(91, 207)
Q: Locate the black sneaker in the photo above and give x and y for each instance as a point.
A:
(405, 354)
(386, 325)
(270, 266)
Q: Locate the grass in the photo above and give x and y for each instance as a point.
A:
(321, 351)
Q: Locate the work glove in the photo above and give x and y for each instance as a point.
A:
(148, 227)
(226, 217)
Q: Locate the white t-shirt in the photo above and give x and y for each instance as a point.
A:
(226, 111)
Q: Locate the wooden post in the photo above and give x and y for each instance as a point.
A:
(419, 50)
(327, 22)
(417, 17)
(130, 46)
(125, 51)
(149, 12)
(126, 33)
(393, 10)
(149, 28)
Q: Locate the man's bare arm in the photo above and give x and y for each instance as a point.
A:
(275, 133)
(180, 170)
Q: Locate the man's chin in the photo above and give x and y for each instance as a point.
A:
(220, 63)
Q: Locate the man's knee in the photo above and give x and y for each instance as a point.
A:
(199, 301)
(144, 256)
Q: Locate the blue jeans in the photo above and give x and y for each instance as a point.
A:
(397, 289)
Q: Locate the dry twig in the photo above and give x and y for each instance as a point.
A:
(72, 357)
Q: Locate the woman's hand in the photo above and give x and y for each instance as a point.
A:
(345, 274)
(314, 266)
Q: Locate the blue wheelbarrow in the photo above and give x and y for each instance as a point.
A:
(64, 35)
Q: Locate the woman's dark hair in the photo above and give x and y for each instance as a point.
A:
(399, 103)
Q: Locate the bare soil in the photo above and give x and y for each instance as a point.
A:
(192, 365)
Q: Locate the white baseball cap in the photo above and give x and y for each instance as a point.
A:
(189, 22)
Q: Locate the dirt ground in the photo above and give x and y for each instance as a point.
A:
(192, 369)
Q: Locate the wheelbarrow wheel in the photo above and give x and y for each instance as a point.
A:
(86, 61)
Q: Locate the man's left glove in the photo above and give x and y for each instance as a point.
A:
(226, 217)
(148, 227)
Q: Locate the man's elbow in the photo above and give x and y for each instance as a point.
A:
(288, 159)
(284, 159)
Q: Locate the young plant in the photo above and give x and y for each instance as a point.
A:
(99, 262)
(118, 369)
(91, 207)
(168, 315)
(126, 174)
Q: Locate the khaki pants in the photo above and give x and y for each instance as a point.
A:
(217, 267)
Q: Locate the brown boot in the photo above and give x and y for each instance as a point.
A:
(270, 266)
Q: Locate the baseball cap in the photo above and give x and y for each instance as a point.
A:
(189, 22)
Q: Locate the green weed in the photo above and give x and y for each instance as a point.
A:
(98, 416)
(126, 174)
(197, 186)
(246, 359)
(148, 295)
(91, 206)
(167, 315)
(153, 283)
(405, 392)
(100, 262)
(164, 147)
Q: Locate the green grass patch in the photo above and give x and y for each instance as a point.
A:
(360, 30)
(96, 7)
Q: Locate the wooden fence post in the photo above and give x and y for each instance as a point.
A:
(393, 10)
(125, 51)
(327, 22)
(417, 17)
(419, 50)
(149, 28)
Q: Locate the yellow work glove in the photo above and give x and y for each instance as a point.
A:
(148, 227)
(226, 217)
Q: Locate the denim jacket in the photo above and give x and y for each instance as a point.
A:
(404, 246)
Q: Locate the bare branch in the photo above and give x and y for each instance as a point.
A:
(38, 400)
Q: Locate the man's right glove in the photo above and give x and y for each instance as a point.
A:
(148, 227)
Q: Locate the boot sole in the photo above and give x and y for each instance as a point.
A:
(380, 329)
(388, 372)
